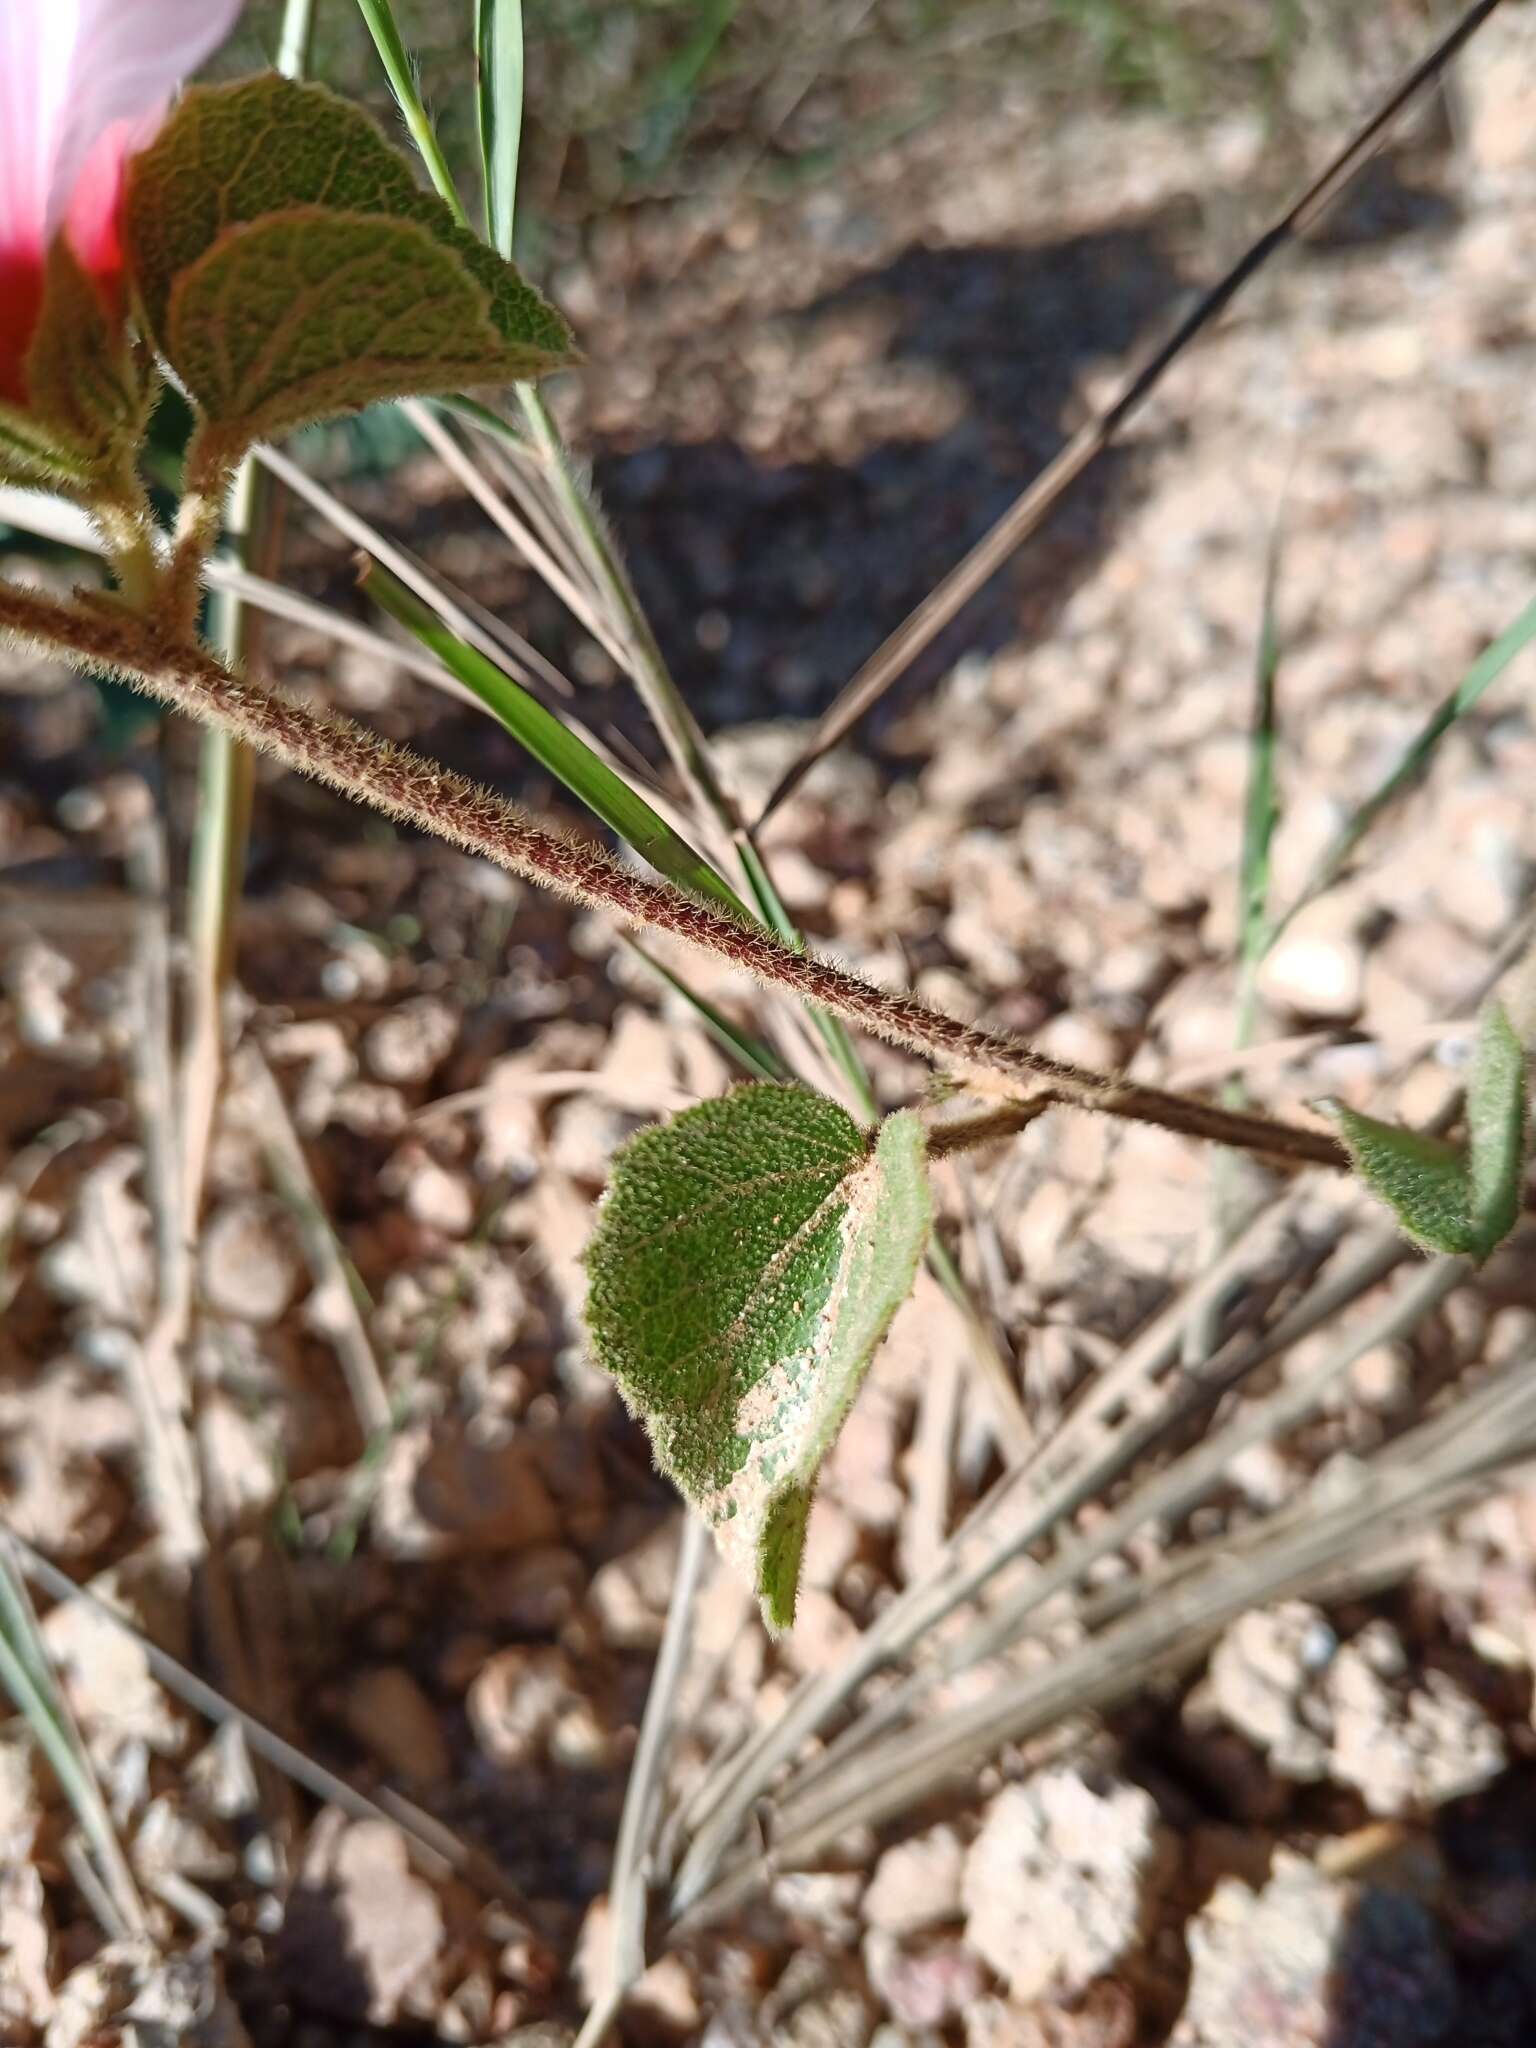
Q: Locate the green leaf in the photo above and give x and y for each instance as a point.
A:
(564, 753)
(1423, 1181)
(308, 313)
(213, 212)
(1446, 1200)
(747, 1262)
(33, 459)
(1497, 1116)
(87, 387)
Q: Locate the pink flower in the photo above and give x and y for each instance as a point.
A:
(83, 84)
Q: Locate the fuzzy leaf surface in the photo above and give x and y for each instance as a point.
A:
(1423, 1181)
(211, 217)
(309, 313)
(747, 1263)
(86, 385)
(1445, 1199)
(1498, 1113)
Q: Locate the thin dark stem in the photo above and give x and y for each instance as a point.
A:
(1027, 512)
(404, 786)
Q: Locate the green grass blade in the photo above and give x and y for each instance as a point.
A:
(834, 1033)
(499, 63)
(1261, 813)
(567, 757)
(401, 73)
(758, 1058)
(28, 1677)
(1416, 758)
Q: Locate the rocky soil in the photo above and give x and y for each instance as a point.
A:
(431, 1551)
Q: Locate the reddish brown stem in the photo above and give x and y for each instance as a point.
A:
(405, 786)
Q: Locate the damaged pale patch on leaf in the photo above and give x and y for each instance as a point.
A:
(1498, 1114)
(748, 1260)
(231, 214)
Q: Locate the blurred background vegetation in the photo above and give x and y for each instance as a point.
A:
(640, 101)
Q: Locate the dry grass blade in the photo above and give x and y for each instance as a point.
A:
(28, 1676)
(156, 1379)
(1075, 1468)
(579, 601)
(440, 1849)
(1362, 1525)
(331, 1270)
(54, 520)
(450, 606)
(629, 1885)
(1028, 511)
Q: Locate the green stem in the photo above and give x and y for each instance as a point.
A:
(402, 83)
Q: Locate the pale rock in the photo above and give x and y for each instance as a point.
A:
(927, 1986)
(26, 1943)
(370, 1109)
(1405, 1740)
(389, 1715)
(105, 1261)
(823, 1635)
(517, 1701)
(170, 1841)
(1105, 2018)
(629, 1595)
(238, 1451)
(128, 1991)
(1262, 1681)
(60, 1430)
(916, 1884)
(329, 1062)
(666, 1999)
(106, 1677)
(1382, 1379)
(827, 1900)
(580, 1740)
(831, 1544)
(1496, 83)
(364, 1935)
(1059, 1884)
(1322, 1962)
(585, 1133)
(1048, 1218)
(1080, 1039)
(1317, 967)
(247, 1265)
(443, 1490)
(861, 1469)
(440, 1200)
(412, 1041)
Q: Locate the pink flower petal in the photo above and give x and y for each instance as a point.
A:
(128, 57)
(83, 83)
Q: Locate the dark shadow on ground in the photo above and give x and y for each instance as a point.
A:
(1460, 1973)
(813, 564)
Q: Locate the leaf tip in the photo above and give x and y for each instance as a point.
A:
(780, 1548)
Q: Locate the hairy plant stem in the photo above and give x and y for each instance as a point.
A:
(404, 786)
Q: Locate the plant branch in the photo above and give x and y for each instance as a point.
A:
(407, 787)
